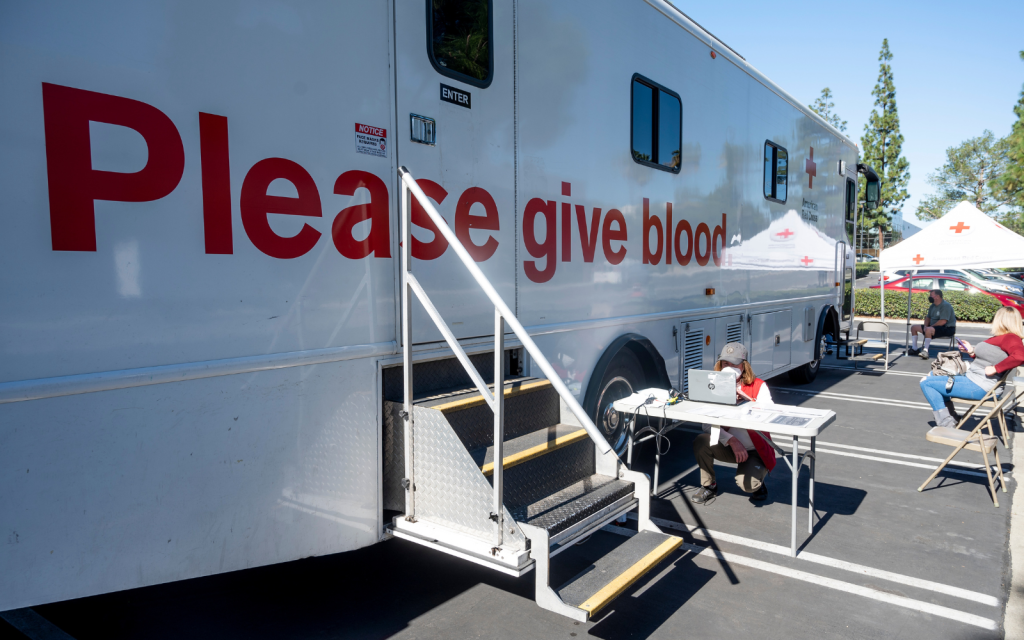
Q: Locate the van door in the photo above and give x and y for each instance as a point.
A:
(455, 114)
(698, 350)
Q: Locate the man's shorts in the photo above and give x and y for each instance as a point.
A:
(945, 331)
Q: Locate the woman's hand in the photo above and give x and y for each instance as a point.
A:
(738, 450)
(965, 346)
(990, 371)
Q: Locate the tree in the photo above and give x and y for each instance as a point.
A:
(882, 145)
(1011, 182)
(824, 106)
(971, 172)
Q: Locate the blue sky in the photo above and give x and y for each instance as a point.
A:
(956, 65)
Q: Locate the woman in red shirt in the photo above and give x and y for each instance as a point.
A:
(992, 358)
(753, 456)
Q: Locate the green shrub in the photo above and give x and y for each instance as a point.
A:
(864, 268)
(969, 307)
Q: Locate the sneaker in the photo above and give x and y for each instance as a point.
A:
(705, 495)
(913, 352)
(760, 495)
(924, 355)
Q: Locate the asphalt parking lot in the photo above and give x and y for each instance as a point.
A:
(884, 561)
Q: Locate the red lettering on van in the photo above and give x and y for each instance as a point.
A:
(464, 221)
(74, 185)
(256, 205)
(216, 172)
(545, 249)
(378, 241)
(436, 247)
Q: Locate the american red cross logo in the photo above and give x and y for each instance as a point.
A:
(785, 234)
(806, 260)
(959, 228)
(812, 169)
(918, 259)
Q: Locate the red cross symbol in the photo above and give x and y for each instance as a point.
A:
(785, 234)
(806, 260)
(919, 259)
(959, 228)
(812, 170)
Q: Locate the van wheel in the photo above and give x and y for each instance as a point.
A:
(621, 379)
(808, 372)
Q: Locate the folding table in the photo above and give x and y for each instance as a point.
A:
(775, 420)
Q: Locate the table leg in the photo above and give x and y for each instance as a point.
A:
(629, 444)
(810, 492)
(796, 476)
(657, 465)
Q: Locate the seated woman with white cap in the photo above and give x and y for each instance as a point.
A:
(753, 456)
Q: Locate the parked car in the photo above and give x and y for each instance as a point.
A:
(944, 283)
(994, 285)
(865, 257)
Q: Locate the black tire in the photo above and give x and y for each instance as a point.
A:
(622, 378)
(807, 373)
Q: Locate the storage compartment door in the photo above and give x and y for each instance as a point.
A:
(762, 342)
(783, 338)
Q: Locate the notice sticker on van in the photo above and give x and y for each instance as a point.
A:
(372, 141)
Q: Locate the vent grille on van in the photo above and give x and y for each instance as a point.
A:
(694, 355)
(734, 332)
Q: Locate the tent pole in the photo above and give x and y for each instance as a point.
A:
(910, 294)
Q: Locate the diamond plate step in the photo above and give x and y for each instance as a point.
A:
(529, 446)
(575, 503)
(530, 403)
(600, 583)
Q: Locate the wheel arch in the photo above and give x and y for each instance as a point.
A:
(651, 361)
(828, 324)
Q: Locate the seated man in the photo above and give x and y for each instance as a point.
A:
(939, 323)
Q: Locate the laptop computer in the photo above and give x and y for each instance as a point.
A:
(718, 387)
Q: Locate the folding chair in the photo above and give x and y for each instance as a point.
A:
(992, 399)
(974, 440)
(877, 327)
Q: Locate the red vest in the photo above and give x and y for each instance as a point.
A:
(763, 448)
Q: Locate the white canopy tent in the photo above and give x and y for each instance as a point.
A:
(963, 238)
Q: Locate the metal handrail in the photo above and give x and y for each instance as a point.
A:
(502, 315)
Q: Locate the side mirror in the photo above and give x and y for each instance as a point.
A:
(871, 194)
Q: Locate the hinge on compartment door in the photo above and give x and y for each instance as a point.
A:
(675, 337)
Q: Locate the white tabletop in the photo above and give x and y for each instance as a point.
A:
(775, 418)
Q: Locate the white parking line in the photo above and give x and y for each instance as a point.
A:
(904, 463)
(879, 371)
(889, 402)
(969, 465)
(938, 587)
(839, 585)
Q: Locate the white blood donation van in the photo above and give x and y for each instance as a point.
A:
(201, 346)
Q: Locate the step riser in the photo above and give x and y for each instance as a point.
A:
(532, 480)
(524, 413)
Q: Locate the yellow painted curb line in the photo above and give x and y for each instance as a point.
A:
(611, 590)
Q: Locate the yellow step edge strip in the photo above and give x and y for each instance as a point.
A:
(514, 390)
(612, 590)
(878, 356)
(536, 452)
